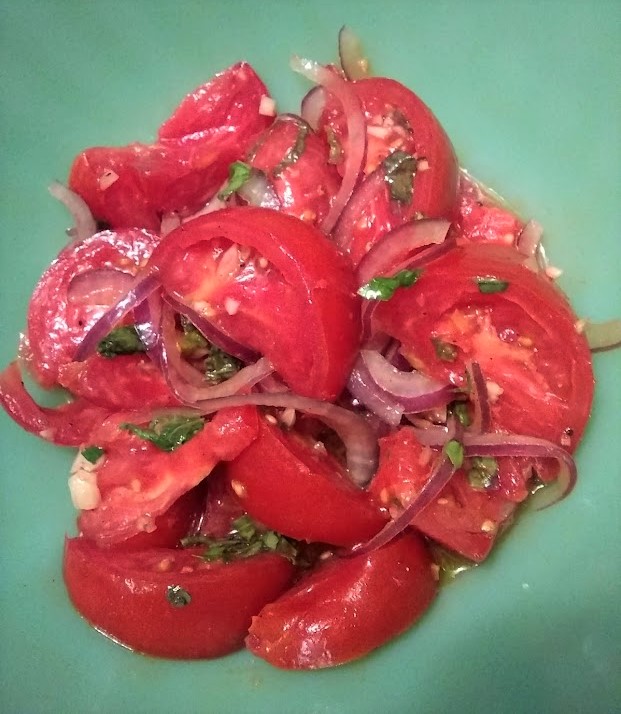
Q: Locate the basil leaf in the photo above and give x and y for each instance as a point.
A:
(93, 453)
(293, 152)
(491, 285)
(461, 412)
(399, 171)
(220, 366)
(122, 340)
(239, 173)
(167, 434)
(482, 472)
(455, 452)
(444, 350)
(384, 288)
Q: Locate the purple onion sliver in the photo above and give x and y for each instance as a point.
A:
(313, 105)
(362, 388)
(480, 399)
(143, 287)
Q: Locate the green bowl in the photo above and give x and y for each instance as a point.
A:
(529, 93)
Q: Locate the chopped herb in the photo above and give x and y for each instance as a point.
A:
(482, 472)
(192, 341)
(293, 152)
(336, 150)
(462, 413)
(444, 350)
(177, 596)
(167, 434)
(491, 285)
(399, 171)
(220, 366)
(122, 340)
(93, 453)
(384, 288)
(239, 173)
(455, 452)
(401, 120)
(245, 540)
(451, 564)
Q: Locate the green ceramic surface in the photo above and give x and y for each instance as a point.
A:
(529, 93)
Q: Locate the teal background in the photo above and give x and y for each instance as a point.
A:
(529, 92)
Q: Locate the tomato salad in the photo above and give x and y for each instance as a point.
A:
(310, 360)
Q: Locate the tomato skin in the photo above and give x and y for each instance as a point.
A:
(463, 519)
(291, 488)
(435, 183)
(119, 383)
(137, 481)
(305, 187)
(123, 595)
(57, 323)
(514, 335)
(301, 312)
(66, 425)
(346, 607)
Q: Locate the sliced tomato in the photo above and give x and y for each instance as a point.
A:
(127, 596)
(396, 120)
(122, 382)
(284, 481)
(213, 126)
(137, 481)
(462, 518)
(76, 290)
(222, 506)
(514, 334)
(66, 425)
(346, 607)
(482, 218)
(296, 161)
(276, 285)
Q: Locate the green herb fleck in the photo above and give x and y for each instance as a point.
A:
(220, 366)
(122, 340)
(482, 472)
(177, 596)
(455, 452)
(191, 341)
(93, 453)
(239, 173)
(245, 539)
(384, 288)
(462, 413)
(167, 434)
(450, 564)
(336, 150)
(399, 171)
(293, 152)
(491, 285)
(445, 351)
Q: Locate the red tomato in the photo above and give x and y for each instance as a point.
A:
(222, 506)
(300, 491)
(396, 120)
(275, 284)
(137, 481)
(305, 185)
(346, 608)
(481, 218)
(76, 290)
(67, 425)
(462, 518)
(213, 126)
(121, 382)
(126, 597)
(536, 388)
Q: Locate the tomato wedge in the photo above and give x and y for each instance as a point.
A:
(276, 285)
(301, 491)
(397, 120)
(346, 608)
(136, 598)
(137, 481)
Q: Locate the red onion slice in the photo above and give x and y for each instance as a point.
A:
(211, 333)
(529, 239)
(603, 335)
(395, 247)
(100, 286)
(312, 106)
(84, 225)
(362, 387)
(143, 286)
(259, 191)
(440, 475)
(480, 400)
(356, 131)
(497, 445)
(356, 433)
(353, 61)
